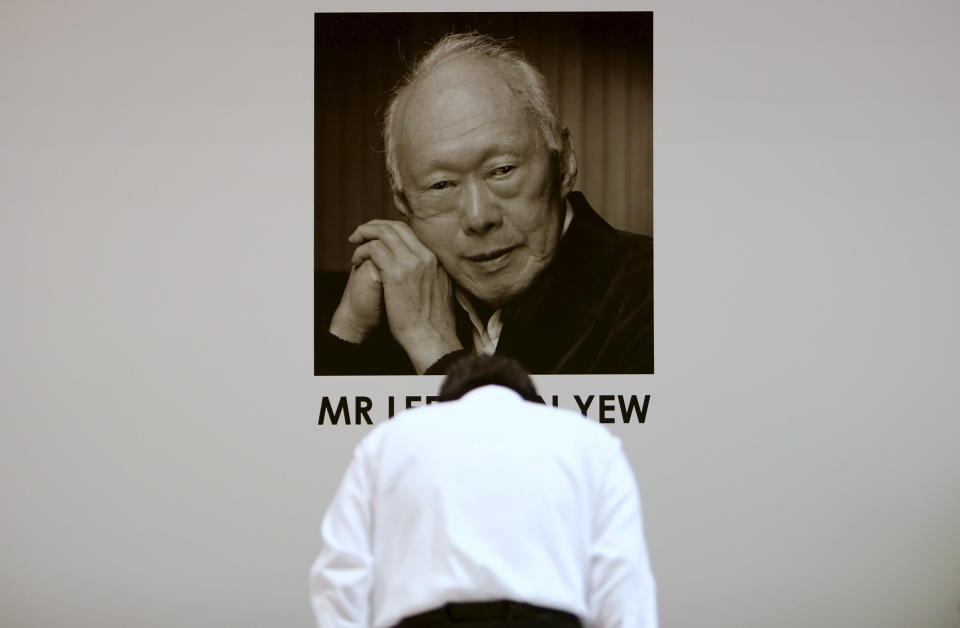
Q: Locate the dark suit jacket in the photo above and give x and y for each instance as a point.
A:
(591, 311)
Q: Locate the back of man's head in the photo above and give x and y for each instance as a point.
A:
(483, 370)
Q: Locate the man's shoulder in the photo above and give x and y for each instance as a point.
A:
(593, 248)
(635, 243)
(449, 434)
(632, 253)
(492, 405)
(591, 239)
(544, 420)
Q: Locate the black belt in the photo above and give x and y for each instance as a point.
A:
(487, 611)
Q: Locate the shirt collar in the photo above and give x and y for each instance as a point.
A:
(492, 392)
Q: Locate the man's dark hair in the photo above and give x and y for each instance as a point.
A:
(481, 370)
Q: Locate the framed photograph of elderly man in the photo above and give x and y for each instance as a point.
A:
(483, 183)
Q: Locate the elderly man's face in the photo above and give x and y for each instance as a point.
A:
(481, 190)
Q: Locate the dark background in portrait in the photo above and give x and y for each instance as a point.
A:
(599, 67)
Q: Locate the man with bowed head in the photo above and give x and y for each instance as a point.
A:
(494, 251)
(488, 509)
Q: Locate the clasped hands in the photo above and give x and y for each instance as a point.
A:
(394, 272)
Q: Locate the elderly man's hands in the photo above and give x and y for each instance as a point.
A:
(361, 305)
(417, 293)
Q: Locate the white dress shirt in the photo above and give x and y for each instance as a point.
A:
(482, 499)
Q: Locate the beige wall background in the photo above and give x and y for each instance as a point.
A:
(598, 66)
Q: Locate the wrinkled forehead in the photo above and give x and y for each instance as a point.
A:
(458, 95)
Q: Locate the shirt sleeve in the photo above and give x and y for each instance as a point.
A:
(379, 355)
(341, 578)
(622, 592)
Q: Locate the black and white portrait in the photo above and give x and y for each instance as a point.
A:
(483, 184)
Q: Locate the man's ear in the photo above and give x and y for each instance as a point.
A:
(569, 164)
(401, 203)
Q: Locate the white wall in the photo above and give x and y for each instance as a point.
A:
(160, 460)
